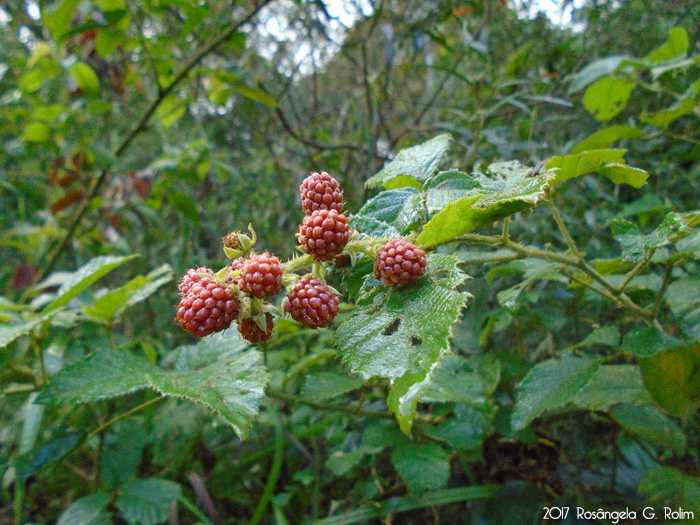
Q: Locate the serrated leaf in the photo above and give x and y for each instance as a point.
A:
(605, 138)
(401, 333)
(635, 244)
(138, 289)
(394, 210)
(571, 166)
(423, 466)
(229, 379)
(468, 382)
(612, 384)
(676, 46)
(650, 423)
(595, 70)
(123, 448)
(146, 501)
(672, 377)
(323, 386)
(412, 165)
(607, 97)
(446, 187)
(88, 510)
(84, 277)
(662, 119)
(9, 333)
(551, 385)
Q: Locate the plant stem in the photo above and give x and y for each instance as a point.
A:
(120, 417)
(134, 132)
(283, 396)
(668, 275)
(563, 229)
(182, 499)
(271, 484)
(634, 271)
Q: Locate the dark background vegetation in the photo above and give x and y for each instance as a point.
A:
(230, 144)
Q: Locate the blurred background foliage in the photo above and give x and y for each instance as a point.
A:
(124, 130)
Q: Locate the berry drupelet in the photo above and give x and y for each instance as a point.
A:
(399, 262)
(312, 303)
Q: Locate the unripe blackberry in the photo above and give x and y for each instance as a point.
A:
(194, 276)
(320, 191)
(250, 331)
(261, 275)
(324, 234)
(207, 307)
(235, 266)
(399, 262)
(312, 303)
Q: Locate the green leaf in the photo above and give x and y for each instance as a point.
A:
(662, 119)
(108, 40)
(8, 333)
(185, 204)
(85, 277)
(401, 333)
(114, 302)
(146, 501)
(595, 70)
(62, 441)
(650, 423)
(647, 341)
(171, 110)
(672, 377)
(551, 385)
(635, 244)
(423, 466)
(605, 138)
(469, 382)
(256, 95)
(86, 78)
(391, 211)
(670, 487)
(37, 132)
(683, 298)
(612, 384)
(506, 188)
(228, 378)
(123, 448)
(608, 96)
(32, 80)
(323, 386)
(446, 187)
(676, 46)
(89, 510)
(571, 166)
(623, 174)
(59, 19)
(412, 165)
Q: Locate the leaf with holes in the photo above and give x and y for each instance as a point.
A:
(227, 377)
(401, 333)
(608, 96)
(412, 165)
(504, 189)
(605, 138)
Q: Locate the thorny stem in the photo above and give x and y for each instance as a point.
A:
(635, 271)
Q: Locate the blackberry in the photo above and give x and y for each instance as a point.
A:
(250, 331)
(320, 191)
(399, 262)
(261, 275)
(324, 234)
(194, 276)
(207, 307)
(312, 303)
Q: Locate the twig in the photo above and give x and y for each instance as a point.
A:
(109, 423)
(634, 271)
(668, 275)
(563, 229)
(289, 398)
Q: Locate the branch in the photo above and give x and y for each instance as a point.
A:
(134, 132)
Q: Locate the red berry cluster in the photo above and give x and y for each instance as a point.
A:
(320, 191)
(324, 234)
(206, 306)
(312, 303)
(399, 262)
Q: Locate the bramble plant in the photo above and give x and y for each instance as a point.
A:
(453, 328)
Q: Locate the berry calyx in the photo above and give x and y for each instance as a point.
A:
(312, 303)
(237, 244)
(207, 307)
(261, 275)
(193, 276)
(324, 234)
(399, 262)
(251, 332)
(320, 191)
